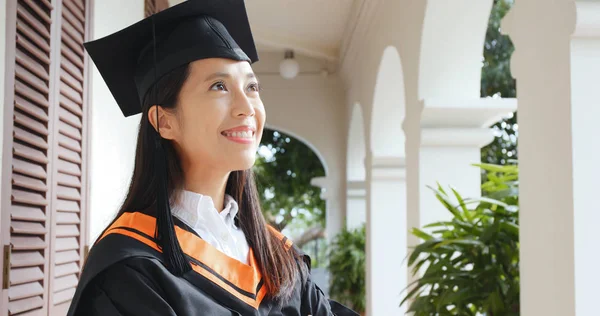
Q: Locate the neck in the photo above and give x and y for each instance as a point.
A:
(207, 182)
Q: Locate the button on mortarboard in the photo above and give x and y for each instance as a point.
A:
(192, 30)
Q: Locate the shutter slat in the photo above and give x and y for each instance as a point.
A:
(63, 296)
(64, 269)
(69, 131)
(27, 213)
(40, 12)
(69, 155)
(65, 282)
(70, 30)
(67, 206)
(75, 71)
(29, 183)
(71, 82)
(69, 117)
(27, 228)
(69, 143)
(68, 180)
(31, 64)
(47, 4)
(30, 123)
(68, 243)
(28, 198)
(42, 54)
(67, 193)
(33, 36)
(26, 76)
(67, 218)
(37, 312)
(27, 243)
(29, 153)
(24, 275)
(79, 4)
(34, 22)
(26, 259)
(73, 55)
(28, 168)
(68, 167)
(70, 93)
(63, 257)
(76, 47)
(29, 138)
(31, 109)
(20, 306)
(67, 231)
(69, 105)
(78, 24)
(76, 11)
(30, 94)
(25, 290)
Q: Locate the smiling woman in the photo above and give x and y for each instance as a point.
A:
(190, 238)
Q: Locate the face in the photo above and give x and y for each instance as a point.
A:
(218, 121)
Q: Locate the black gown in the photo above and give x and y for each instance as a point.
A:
(124, 275)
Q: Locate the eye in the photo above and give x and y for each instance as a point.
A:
(218, 86)
(254, 87)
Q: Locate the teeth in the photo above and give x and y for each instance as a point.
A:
(246, 134)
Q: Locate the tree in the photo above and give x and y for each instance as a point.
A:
(497, 81)
(284, 169)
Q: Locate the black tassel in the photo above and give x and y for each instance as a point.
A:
(176, 261)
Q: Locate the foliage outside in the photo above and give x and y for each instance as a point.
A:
(470, 264)
(284, 169)
(497, 81)
(347, 266)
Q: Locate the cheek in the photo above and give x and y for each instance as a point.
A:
(199, 132)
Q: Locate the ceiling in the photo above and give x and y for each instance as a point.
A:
(314, 28)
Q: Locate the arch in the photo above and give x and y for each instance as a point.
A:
(451, 48)
(307, 143)
(357, 148)
(387, 187)
(389, 107)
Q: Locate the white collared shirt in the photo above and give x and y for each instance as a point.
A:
(217, 228)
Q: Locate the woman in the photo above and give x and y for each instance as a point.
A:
(190, 238)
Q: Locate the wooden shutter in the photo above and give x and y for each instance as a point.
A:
(29, 152)
(44, 155)
(69, 141)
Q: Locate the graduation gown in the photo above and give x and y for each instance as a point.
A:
(124, 274)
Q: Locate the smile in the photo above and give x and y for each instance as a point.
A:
(244, 134)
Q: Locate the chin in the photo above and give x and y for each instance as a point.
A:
(243, 164)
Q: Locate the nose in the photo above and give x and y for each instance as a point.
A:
(242, 106)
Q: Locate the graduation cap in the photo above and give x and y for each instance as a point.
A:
(133, 59)
(192, 30)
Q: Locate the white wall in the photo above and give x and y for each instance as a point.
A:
(113, 137)
(312, 108)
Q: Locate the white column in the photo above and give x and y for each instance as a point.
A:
(386, 236)
(452, 134)
(356, 204)
(334, 219)
(556, 64)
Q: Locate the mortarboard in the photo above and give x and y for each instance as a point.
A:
(192, 30)
(133, 59)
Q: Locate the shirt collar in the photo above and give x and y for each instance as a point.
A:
(191, 208)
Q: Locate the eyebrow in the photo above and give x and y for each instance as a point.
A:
(217, 75)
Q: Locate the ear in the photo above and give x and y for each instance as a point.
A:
(167, 121)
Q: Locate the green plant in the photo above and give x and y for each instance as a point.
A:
(347, 268)
(469, 265)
